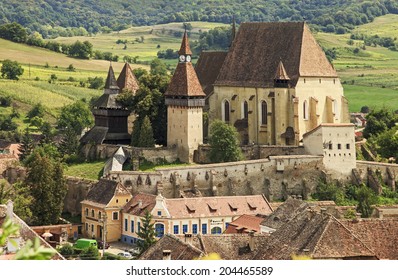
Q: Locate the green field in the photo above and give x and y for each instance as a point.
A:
(156, 38)
(372, 97)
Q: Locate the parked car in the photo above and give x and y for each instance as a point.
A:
(101, 243)
(134, 251)
(126, 255)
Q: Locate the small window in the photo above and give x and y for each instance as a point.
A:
(264, 113)
(117, 200)
(86, 212)
(159, 213)
(86, 226)
(347, 146)
(115, 216)
(132, 226)
(92, 213)
(99, 215)
(195, 229)
(125, 224)
(204, 228)
(92, 228)
(225, 111)
(175, 229)
(184, 228)
(339, 146)
(245, 110)
(330, 146)
(139, 226)
(226, 225)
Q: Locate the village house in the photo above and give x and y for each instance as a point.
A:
(177, 216)
(101, 209)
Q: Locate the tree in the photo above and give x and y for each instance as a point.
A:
(365, 109)
(67, 251)
(11, 70)
(146, 134)
(27, 145)
(95, 83)
(90, 253)
(81, 50)
(46, 184)
(13, 32)
(158, 67)
(37, 110)
(76, 116)
(223, 139)
(146, 232)
(379, 121)
(69, 144)
(366, 198)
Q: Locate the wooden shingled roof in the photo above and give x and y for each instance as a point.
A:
(258, 48)
(127, 79)
(208, 67)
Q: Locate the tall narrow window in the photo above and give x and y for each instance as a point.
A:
(305, 110)
(225, 111)
(264, 112)
(245, 111)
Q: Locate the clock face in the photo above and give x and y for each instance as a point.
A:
(188, 58)
(182, 58)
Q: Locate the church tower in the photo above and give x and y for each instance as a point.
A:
(185, 100)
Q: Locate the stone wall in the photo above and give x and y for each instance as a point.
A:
(370, 171)
(252, 152)
(105, 151)
(77, 191)
(276, 177)
(6, 161)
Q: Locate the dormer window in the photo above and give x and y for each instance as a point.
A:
(252, 205)
(191, 208)
(212, 207)
(233, 206)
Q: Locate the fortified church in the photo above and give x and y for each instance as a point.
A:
(274, 85)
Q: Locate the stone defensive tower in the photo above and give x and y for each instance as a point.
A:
(185, 100)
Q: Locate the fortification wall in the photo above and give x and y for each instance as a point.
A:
(276, 177)
(252, 152)
(386, 171)
(77, 191)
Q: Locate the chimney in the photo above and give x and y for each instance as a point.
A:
(140, 204)
(251, 240)
(166, 255)
(188, 238)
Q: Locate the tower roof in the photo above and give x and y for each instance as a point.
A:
(281, 72)
(185, 82)
(185, 49)
(111, 84)
(127, 79)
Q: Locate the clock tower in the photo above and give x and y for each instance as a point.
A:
(185, 100)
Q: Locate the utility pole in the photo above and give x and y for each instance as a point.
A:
(103, 220)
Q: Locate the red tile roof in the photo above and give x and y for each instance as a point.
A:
(245, 224)
(184, 82)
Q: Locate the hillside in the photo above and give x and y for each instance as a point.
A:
(55, 17)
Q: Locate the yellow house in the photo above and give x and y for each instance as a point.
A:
(101, 209)
(274, 84)
(177, 216)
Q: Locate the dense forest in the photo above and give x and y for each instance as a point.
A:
(68, 18)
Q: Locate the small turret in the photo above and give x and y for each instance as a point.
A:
(281, 78)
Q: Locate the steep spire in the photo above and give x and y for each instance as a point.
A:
(281, 73)
(185, 49)
(127, 80)
(111, 84)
